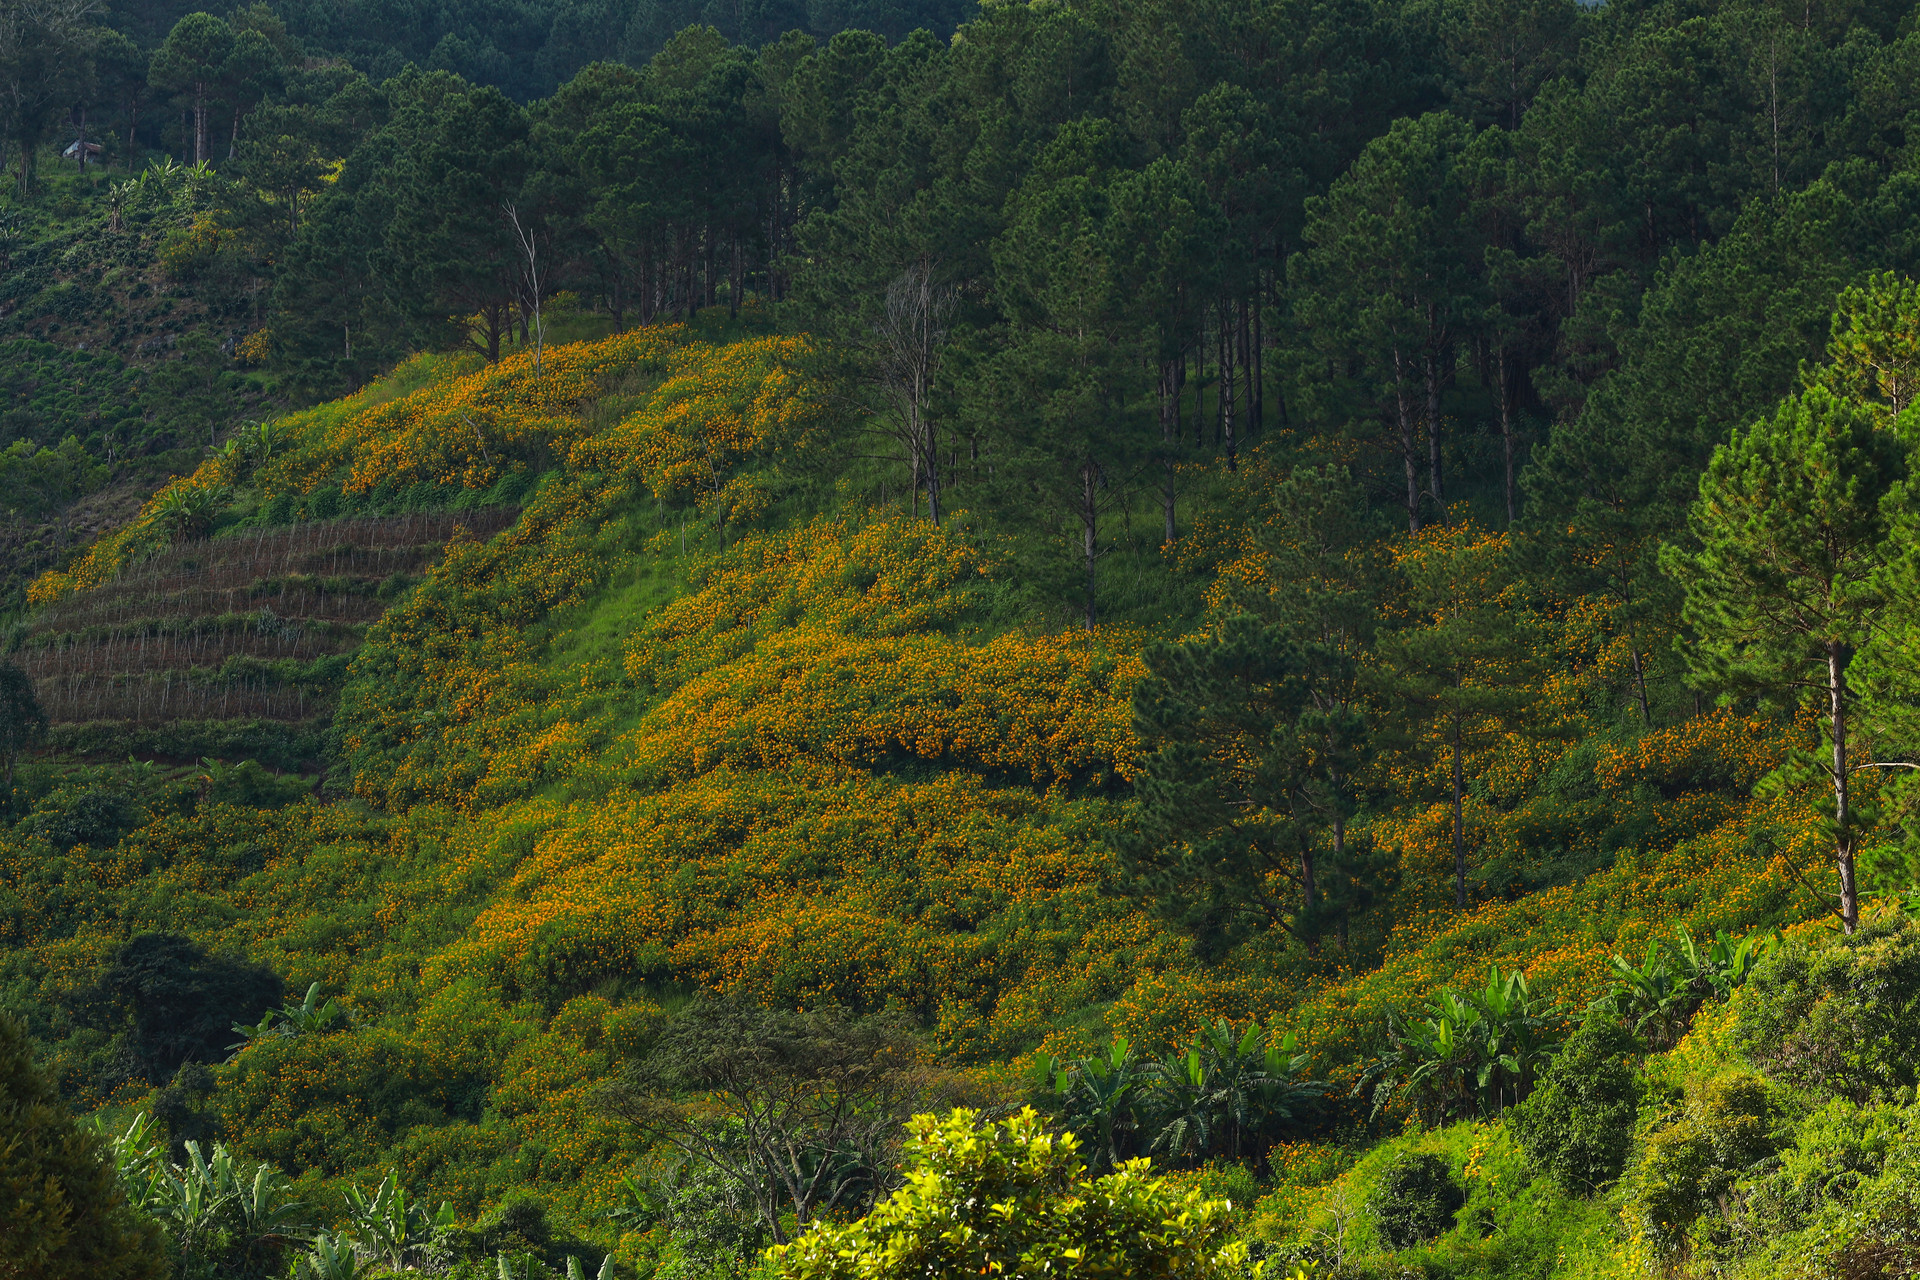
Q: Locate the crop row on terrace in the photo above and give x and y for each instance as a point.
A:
(227, 573)
(288, 601)
(132, 654)
(246, 554)
(146, 648)
(261, 621)
(160, 698)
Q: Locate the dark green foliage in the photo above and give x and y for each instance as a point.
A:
(170, 1003)
(1259, 736)
(250, 785)
(96, 815)
(286, 747)
(1578, 1123)
(1842, 1019)
(22, 723)
(62, 1213)
(1416, 1200)
(1677, 1193)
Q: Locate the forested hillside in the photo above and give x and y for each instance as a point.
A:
(1322, 593)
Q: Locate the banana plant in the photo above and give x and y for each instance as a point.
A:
(309, 1017)
(576, 1271)
(1471, 1055)
(638, 1207)
(1659, 996)
(191, 1202)
(390, 1224)
(333, 1257)
(1231, 1092)
(1519, 1032)
(137, 1162)
(1099, 1098)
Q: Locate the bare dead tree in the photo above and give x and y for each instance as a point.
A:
(530, 285)
(910, 334)
(801, 1112)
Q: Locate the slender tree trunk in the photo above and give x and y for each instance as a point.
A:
(133, 128)
(1639, 682)
(1459, 834)
(1842, 797)
(933, 468)
(1257, 372)
(1435, 484)
(233, 139)
(1169, 434)
(1406, 443)
(739, 283)
(1227, 395)
(199, 123)
(1180, 395)
(1247, 371)
(1506, 437)
(1089, 521)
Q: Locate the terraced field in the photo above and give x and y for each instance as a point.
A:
(254, 625)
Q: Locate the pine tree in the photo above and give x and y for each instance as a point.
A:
(62, 1213)
(1244, 823)
(1790, 579)
(1461, 675)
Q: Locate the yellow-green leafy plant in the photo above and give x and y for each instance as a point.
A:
(1008, 1198)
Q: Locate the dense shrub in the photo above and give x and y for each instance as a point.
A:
(62, 1216)
(94, 816)
(1578, 1124)
(1010, 1198)
(1679, 1193)
(1416, 1200)
(170, 1002)
(1841, 1019)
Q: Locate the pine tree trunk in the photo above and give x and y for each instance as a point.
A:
(1257, 372)
(1435, 484)
(738, 282)
(1842, 797)
(1459, 834)
(1406, 443)
(933, 467)
(1227, 395)
(1251, 398)
(1169, 434)
(1506, 442)
(1639, 683)
(1089, 520)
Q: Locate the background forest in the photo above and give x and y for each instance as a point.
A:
(604, 602)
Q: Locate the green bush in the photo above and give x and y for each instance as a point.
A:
(1009, 1198)
(62, 1214)
(1416, 1200)
(1843, 1019)
(1678, 1196)
(1578, 1124)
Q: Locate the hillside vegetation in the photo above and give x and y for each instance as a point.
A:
(787, 659)
(799, 761)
